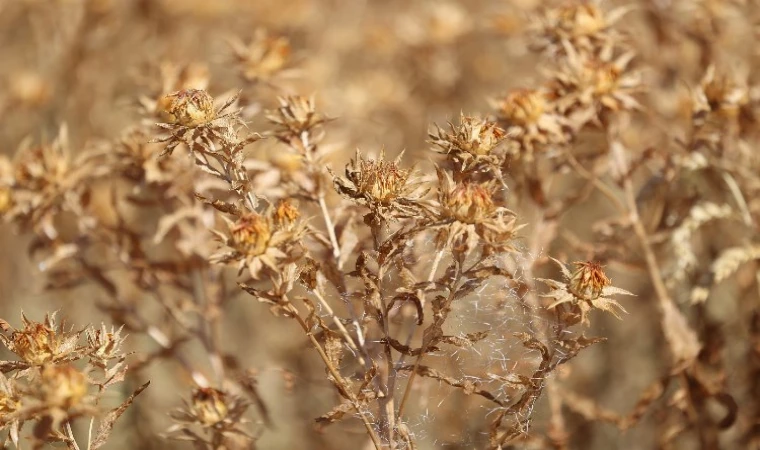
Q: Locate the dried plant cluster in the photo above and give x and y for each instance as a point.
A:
(284, 289)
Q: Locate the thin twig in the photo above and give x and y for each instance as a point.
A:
(343, 331)
(340, 383)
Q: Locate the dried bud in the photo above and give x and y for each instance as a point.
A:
(588, 281)
(382, 181)
(724, 93)
(474, 135)
(264, 57)
(470, 203)
(10, 400)
(522, 107)
(188, 107)
(285, 214)
(209, 406)
(61, 386)
(40, 343)
(250, 234)
(581, 19)
(379, 184)
(296, 114)
(602, 76)
(104, 345)
(584, 289)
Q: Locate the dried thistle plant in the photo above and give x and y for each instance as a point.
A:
(60, 380)
(412, 295)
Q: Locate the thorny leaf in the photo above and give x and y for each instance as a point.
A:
(465, 341)
(409, 351)
(571, 347)
(220, 205)
(363, 396)
(107, 423)
(414, 299)
(335, 414)
(467, 386)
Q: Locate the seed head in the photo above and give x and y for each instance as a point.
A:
(250, 234)
(39, 343)
(209, 406)
(61, 386)
(382, 181)
(474, 135)
(522, 107)
(286, 214)
(582, 19)
(295, 115)
(104, 345)
(264, 57)
(602, 76)
(588, 280)
(379, 184)
(9, 398)
(470, 203)
(188, 107)
(582, 290)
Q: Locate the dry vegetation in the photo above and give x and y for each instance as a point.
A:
(380, 225)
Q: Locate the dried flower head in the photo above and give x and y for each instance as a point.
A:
(723, 93)
(470, 143)
(295, 115)
(469, 202)
(209, 406)
(286, 214)
(10, 398)
(39, 343)
(213, 410)
(47, 388)
(584, 25)
(60, 386)
(46, 180)
(104, 345)
(586, 87)
(381, 185)
(187, 107)
(588, 280)
(264, 57)
(250, 234)
(166, 78)
(258, 241)
(473, 206)
(530, 121)
(584, 289)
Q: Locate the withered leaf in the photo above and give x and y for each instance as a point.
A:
(467, 386)
(335, 414)
(107, 423)
(220, 205)
(465, 341)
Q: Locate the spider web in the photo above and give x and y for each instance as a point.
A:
(442, 416)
